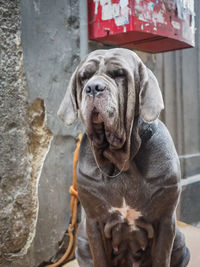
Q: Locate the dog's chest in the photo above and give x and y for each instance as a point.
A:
(126, 213)
(103, 195)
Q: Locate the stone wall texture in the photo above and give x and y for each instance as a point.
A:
(39, 44)
(18, 175)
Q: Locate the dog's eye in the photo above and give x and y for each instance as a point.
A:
(119, 73)
(85, 76)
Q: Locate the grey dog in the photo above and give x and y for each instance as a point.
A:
(128, 171)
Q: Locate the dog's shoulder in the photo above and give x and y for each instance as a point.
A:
(163, 141)
(157, 154)
(155, 137)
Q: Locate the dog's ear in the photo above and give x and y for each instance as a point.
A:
(150, 97)
(68, 110)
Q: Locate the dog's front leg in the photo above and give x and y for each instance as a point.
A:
(163, 244)
(96, 243)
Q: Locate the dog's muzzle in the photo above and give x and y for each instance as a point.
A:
(94, 88)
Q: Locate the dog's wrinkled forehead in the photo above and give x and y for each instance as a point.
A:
(106, 61)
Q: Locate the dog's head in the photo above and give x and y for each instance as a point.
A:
(111, 88)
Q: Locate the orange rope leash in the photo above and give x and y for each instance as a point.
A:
(72, 229)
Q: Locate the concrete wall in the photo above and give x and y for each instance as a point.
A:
(21, 156)
(36, 147)
(38, 150)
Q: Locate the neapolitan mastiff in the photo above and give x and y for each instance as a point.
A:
(128, 172)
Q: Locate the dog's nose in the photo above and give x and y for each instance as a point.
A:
(95, 88)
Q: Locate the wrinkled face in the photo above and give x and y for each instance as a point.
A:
(102, 99)
(111, 88)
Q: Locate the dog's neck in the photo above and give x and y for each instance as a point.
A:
(121, 158)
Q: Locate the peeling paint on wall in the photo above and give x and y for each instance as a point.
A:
(184, 7)
(171, 19)
(188, 4)
(158, 16)
(36, 5)
(150, 14)
(96, 6)
(176, 25)
(119, 12)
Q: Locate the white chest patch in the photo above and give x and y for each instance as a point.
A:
(127, 213)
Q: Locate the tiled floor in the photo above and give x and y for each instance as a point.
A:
(192, 235)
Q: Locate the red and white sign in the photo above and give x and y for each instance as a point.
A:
(152, 26)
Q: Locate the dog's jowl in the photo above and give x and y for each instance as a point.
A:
(128, 170)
